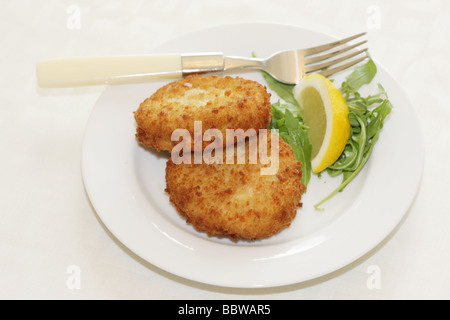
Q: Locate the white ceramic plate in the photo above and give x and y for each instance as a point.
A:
(126, 183)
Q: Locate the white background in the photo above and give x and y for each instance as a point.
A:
(47, 223)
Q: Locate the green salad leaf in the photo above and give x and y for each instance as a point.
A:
(366, 116)
(293, 132)
(361, 75)
(284, 91)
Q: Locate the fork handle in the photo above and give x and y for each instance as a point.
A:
(107, 70)
(124, 69)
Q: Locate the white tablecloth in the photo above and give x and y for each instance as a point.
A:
(49, 232)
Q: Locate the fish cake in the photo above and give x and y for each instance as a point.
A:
(235, 200)
(218, 102)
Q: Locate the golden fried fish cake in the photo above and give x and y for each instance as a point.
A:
(236, 200)
(218, 102)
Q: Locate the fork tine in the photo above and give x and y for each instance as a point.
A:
(320, 66)
(329, 72)
(324, 57)
(328, 46)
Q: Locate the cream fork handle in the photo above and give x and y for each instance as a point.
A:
(108, 70)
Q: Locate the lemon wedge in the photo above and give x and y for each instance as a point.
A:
(325, 112)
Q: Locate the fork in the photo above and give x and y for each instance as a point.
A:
(288, 66)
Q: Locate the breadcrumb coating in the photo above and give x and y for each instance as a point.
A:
(218, 102)
(235, 200)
